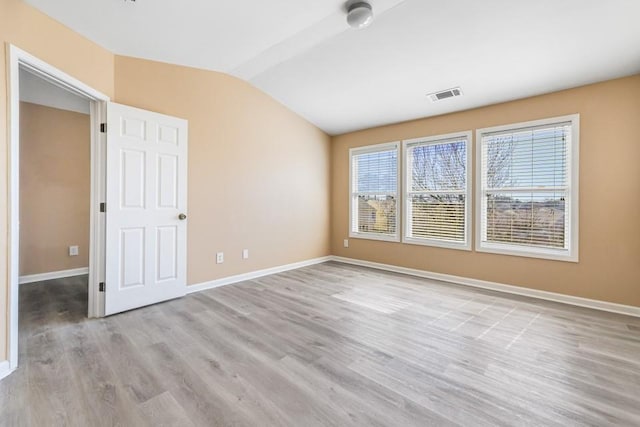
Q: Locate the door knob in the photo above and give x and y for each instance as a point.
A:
(182, 217)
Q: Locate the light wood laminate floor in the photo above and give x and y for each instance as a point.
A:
(329, 345)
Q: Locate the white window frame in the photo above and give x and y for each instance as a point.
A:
(353, 194)
(433, 140)
(570, 255)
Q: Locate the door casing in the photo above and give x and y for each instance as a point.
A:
(18, 59)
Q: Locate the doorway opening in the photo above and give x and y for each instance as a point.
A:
(55, 178)
(25, 69)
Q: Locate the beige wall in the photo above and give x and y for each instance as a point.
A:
(258, 173)
(55, 179)
(609, 267)
(50, 41)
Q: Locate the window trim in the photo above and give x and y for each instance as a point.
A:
(571, 255)
(468, 217)
(386, 146)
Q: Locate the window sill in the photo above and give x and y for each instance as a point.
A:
(566, 256)
(437, 243)
(372, 236)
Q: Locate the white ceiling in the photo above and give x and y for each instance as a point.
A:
(36, 90)
(303, 53)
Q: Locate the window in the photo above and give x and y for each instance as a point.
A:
(374, 192)
(437, 191)
(528, 189)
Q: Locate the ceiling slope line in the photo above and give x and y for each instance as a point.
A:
(303, 41)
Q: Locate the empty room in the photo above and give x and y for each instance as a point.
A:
(320, 213)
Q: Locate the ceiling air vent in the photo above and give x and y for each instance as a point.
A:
(444, 94)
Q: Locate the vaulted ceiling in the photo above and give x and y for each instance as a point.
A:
(303, 53)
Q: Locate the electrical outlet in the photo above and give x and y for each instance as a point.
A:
(73, 250)
(346, 243)
(245, 254)
(219, 257)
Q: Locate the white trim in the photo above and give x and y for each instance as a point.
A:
(374, 148)
(5, 369)
(31, 278)
(386, 146)
(510, 289)
(523, 126)
(53, 75)
(458, 280)
(13, 128)
(468, 193)
(373, 236)
(15, 59)
(255, 274)
(570, 255)
(97, 226)
(446, 244)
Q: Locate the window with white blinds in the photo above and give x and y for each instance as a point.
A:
(528, 189)
(437, 191)
(374, 192)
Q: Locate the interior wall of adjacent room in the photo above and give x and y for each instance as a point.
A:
(258, 173)
(55, 178)
(36, 33)
(609, 188)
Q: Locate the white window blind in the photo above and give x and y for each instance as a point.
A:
(374, 192)
(437, 191)
(527, 189)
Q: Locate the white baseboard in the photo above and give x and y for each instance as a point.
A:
(53, 275)
(511, 289)
(5, 369)
(254, 274)
(465, 281)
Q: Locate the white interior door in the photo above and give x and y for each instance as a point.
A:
(146, 227)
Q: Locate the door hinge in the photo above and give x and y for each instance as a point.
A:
(101, 287)
(103, 207)
(103, 127)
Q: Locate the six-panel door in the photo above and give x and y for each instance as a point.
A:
(146, 193)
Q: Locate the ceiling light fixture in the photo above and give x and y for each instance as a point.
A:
(359, 14)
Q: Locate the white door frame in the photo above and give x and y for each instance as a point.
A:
(17, 59)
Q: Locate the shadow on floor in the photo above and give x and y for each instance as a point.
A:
(52, 303)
